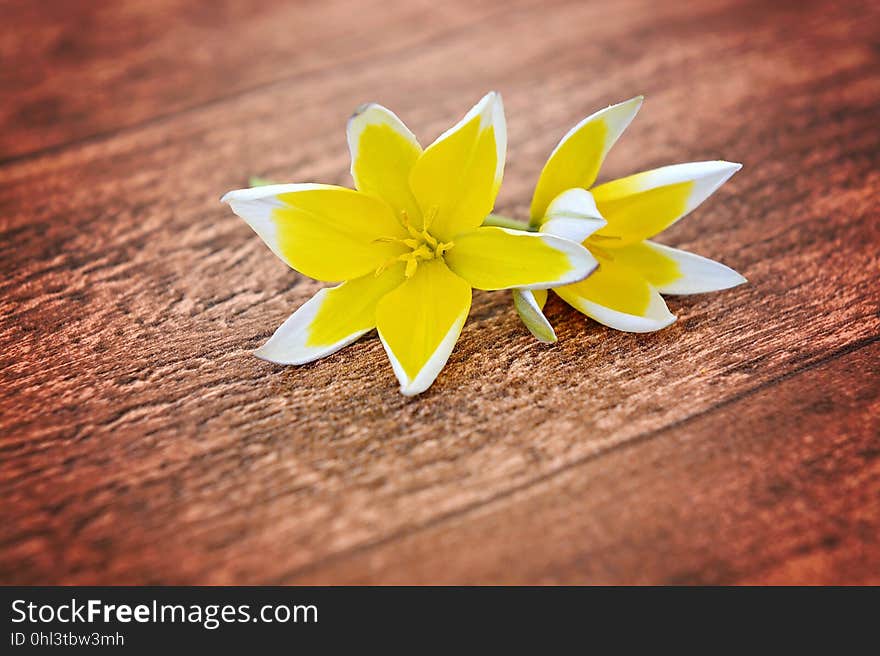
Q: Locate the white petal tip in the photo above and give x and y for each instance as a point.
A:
(279, 351)
(377, 112)
(656, 317)
(725, 170)
(697, 274)
(531, 314)
(714, 167)
(650, 326)
(490, 107)
(573, 215)
(273, 356)
(635, 325)
(271, 353)
(729, 280)
(360, 109)
(736, 282)
(581, 261)
(581, 270)
(705, 176)
(412, 390)
(620, 115)
(266, 356)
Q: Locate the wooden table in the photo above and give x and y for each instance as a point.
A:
(142, 442)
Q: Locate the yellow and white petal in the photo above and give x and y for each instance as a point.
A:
(458, 176)
(383, 153)
(419, 323)
(674, 271)
(325, 232)
(576, 160)
(500, 258)
(331, 319)
(573, 215)
(529, 305)
(642, 205)
(618, 297)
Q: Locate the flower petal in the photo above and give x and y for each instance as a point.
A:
(457, 178)
(540, 296)
(673, 271)
(331, 319)
(325, 232)
(528, 304)
(573, 215)
(641, 205)
(576, 160)
(383, 152)
(419, 323)
(500, 258)
(619, 297)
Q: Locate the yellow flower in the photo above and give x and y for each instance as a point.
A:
(614, 221)
(408, 242)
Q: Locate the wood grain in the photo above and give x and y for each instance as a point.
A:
(86, 69)
(142, 443)
(738, 493)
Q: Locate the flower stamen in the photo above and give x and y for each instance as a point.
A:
(604, 253)
(601, 253)
(422, 244)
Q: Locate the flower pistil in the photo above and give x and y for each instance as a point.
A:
(422, 244)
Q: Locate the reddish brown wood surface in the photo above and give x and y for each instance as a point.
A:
(140, 442)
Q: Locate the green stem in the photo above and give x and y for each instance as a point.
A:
(505, 222)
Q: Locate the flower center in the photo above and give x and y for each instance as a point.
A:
(423, 246)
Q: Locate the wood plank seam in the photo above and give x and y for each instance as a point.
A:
(158, 119)
(638, 439)
(143, 443)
